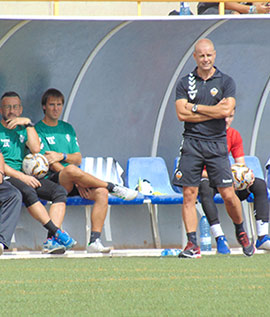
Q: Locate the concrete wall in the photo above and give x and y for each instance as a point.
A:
(87, 8)
(119, 79)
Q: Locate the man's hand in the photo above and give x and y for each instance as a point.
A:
(252, 181)
(12, 123)
(84, 192)
(262, 8)
(1, 178)
(53, 157)
(30, 181)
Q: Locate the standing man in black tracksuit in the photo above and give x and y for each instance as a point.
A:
(204, 98)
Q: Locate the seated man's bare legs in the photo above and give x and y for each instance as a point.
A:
(39, 212)
(59, 240)
(99, 211)
(72, 175)
(98, 215)
(57, 213)
(100, 208)
(57, 194)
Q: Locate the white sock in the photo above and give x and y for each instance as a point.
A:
(262, 228)
(217, 230)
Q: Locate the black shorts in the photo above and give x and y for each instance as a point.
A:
(197, 153)
(55, 178)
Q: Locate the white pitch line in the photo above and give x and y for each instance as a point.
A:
(114, 253)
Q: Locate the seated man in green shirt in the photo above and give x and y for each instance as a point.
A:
(60, 146)
(16, 135)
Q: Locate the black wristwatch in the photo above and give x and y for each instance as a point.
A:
(194, 108)
(29, 125)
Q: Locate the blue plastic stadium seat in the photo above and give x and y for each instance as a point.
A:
(79, 201)
(154, 170)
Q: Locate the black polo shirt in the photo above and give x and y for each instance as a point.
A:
(209, 92)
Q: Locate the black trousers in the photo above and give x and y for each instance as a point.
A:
(11, 205)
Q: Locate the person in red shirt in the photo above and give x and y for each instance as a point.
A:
(258, 188)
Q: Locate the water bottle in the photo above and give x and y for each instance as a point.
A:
(172, 252)
(205, 236)
(184, 8)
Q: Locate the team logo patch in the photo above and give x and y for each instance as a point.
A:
(213, 91)
(178, 175)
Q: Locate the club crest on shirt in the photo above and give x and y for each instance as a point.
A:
(178, 175)
(213, 91)
(22, 138)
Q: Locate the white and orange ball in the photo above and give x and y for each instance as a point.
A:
(35, 165)
(242, 175)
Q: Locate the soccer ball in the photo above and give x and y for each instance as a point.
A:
(242, 176)
(144, 187)
(35, 165)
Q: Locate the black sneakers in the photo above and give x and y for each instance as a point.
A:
(190, 251)
(248, 248)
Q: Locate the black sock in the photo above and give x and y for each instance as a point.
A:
(94, 236)
(239, 228)
(110, 187)
(51, 227)
(192, 237)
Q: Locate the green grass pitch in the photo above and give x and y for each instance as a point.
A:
(166, 286)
